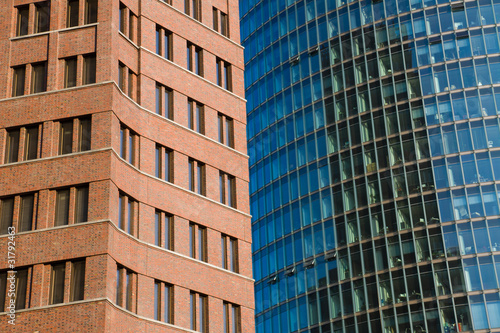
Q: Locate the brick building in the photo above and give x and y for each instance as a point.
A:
(123, 167)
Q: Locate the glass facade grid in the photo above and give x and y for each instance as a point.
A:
(373, 135)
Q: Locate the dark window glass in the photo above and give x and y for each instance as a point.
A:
(66, 137)
(6, 215)
(62, 208)
(18, 81)
(31, 143)
(90, 11)
(84, 135)
(89, 69)
(72, 13)
(12, 146)
(77, 281)
(82, 204)
(157, 308)
(70, 72)
(23, 13)
(42, 17)
(26, 218)
(21, 288)
(39, 78)
(57, 284)
(3, 289)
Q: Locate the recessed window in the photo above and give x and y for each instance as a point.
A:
(77, 286)
(123, 17)
(198, 242)
(6, 214)
(125, 287)
(83, 142)
(225, 130)
(128, 210)
(31, 143)
(81, 204)
(164, 101)
(72, 13)
(39, 77)
(220, 23)
(192, 8)
(27, 208)
(163, 307)
(229, 250)
(163, 163)
(164, 230)
(62, 207)
(223, 74)
(163, 42)
(80, 198)
(90, 11)
(70, 68)
(128, 145)
(42, 16)
(197, 176)
(57, 277)
(196, 116)
(227, 185)
(89, 68)
(19, 295)
(18, 78)
(23, 13)
(194, 59)
(231, 318)
(198, 310)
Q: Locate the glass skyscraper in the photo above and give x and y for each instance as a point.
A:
(374, 149)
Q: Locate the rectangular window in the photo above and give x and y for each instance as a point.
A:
(12, 146)
(192, 8)
(89, 68)
(90, 11)
(163, 164)
(163, 302)
(225, 129)
(128, 145)
(163, 101)
(18, 81)
(62, 208)
(84, 134)
(127, 213)
(77, 288)
(70, 67)
(31, 143)
(196, 116)
(163, 42)
(125, 287)
(227, 189)
(231, 318)
(72, 13)
(66, 137)
(223, 74)
(23, 13)
(42, 16)
(21, 288)
(131, 77)
(197, 176)
(198, 312)
(39, 77)
(57, 283)
(194, 59)
(82, 204)
(3, 289)
(229, 253)
(198, 241)
(123, 16)
(26, 214)
(220, 22)
(6, 214)
(122, 71)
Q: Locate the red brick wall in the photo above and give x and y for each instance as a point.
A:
(100, 241)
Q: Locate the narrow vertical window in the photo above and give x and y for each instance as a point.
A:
(84, 134)
(70, 72)
(168, 103)
(167, 170)
(224, 28)
(123, 13)
(3, 289)
(130, 215)
(167, 304)
(223, 246)
(23, 13)
(220, 125)
(121, 76)
(233, 255)
(131, 149)
(77, 287)
(129, 290)
(202, 243)
(42, 16)
(225, 74)
(89, 68)
(18, 81)
(200, 178)
(39, 78)
(203, 313)
(222, 197)
(191, 175)
(66, 137)
(189, 58)
(231, 198)
(157, 306)
(215, 14)
(229, 132)
(26, 218)
(192, 241)
(225, 316)
(62, 208)
(90, 11)
(72, 13)
(131, 76)
(118, 287)
(167, 38)
(158, 99)
(122, 143)
(190, 114)
(121, 211)
(82, 204)
(6, 215)
(12, 146)
(198, 61)
(157, 228)
(57, 284)
(192, 309)
(218, 72)
(21, 288)
(168, 232)
(158, 39)
(31, 143)
(158, 161)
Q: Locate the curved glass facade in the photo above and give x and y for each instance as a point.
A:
(374, 148)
